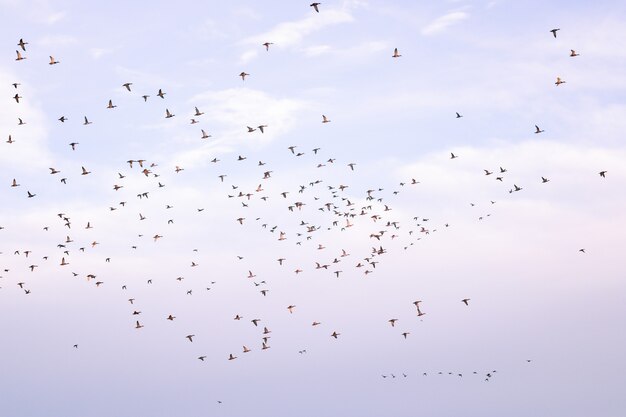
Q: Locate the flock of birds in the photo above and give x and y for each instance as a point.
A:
(319, 207)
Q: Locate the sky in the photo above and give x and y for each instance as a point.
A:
(379, 216)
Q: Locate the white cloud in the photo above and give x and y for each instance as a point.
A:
(231, 111)
(443, 22)
(290, 34)
(55, 17)
(57, 41)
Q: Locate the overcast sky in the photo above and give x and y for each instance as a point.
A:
(519, 223)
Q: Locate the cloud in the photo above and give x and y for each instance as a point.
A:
(443, 22)
(230, 111)
(55, 17)
(290, 34)
(57, 41)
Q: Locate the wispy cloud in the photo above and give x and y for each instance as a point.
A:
(231, 111)
(58, 40)
(290, 34)
(443, 22)
(55, 17)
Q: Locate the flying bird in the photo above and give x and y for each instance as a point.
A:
(315, 6)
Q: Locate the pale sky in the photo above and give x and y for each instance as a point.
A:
(543, 331)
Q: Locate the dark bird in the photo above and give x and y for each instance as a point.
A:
(22, 44)
(315, 6)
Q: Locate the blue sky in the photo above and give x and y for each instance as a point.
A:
(515, 255)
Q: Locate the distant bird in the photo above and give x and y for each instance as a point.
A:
(396, 54)
(603, 174)
(168, 115)
(573, 53)
(554, 32)
(243, 75)
(22, 44)
(161, 93)
(458, 116)
(127, 85)
(559, 81)
(267, 45)
(52, 61)
(335, 335)
(537, 130)
(582, 250)
(111, 106)
(231, 357)
(325, 119)
(190, 336)
(466, 301)
(544, 180)
(19, 56)
(315, 6)
(452, 156)
(86, 122)
(17, 97)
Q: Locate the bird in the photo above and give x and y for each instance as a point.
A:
(458, 116)
(452, 156)
(14, 183)
(325, 119)
(396, 54)
(243, 75)
(52, 61)
(111, 106)
(161, 93)
(603, 174)
(544, 180)
(17, 97)
(127, 86)
(573, 53)
(315, 6)
(190, 336)
(465, 301)
(22, 44)
(267, 45)
(19, 56)
(168, 115)
(554, 31)
(85, 172)
(335, 335)
(537, 130)
(559, 81)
